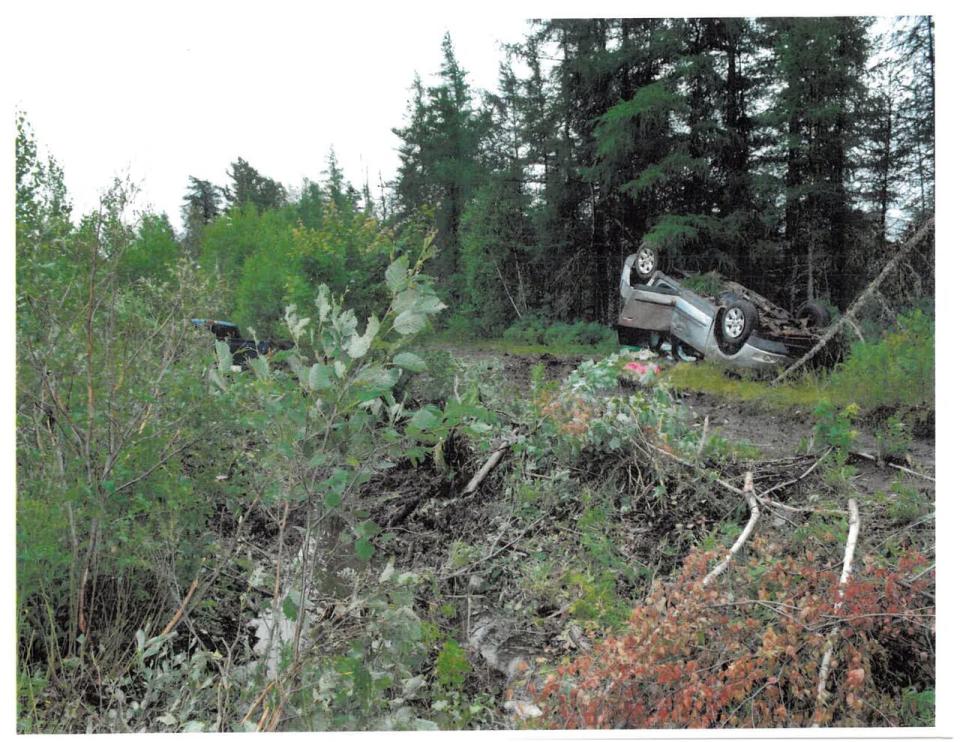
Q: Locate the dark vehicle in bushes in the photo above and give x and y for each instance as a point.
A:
(735, 326)
(241, 349)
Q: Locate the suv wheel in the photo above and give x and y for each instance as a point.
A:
(736, 322)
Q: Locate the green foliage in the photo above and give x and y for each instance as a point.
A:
(153, 254)
(896, 371)
(452, 665)
(918, 708)
(834, 427)
(533, 330)
(706, 284)
(578, 334)
(906, 504)
(893, 438)
(528, 330)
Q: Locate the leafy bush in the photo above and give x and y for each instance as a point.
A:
(464, 325)
(528, 330)
(706, 284)
(578, 333)
(452, 666)
(533, 330)
(896, 371)
(691, 657)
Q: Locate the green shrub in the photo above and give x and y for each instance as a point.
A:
(896, 371)
(892, 437)
(529, 330)
(461, 326)
(906, 504)
(452, 665)
(561, 334)
(707, 284)
(918, 707)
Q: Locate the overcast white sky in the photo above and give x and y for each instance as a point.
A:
(166, 90)
(176, 89)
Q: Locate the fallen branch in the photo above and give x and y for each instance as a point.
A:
(854, 308)
(852, 535)
(183, 605)
(748, 529)
(905, 470)
(486, 469)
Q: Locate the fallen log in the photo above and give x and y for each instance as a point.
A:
(854, 308)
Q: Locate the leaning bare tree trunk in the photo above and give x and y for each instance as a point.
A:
(854, 308)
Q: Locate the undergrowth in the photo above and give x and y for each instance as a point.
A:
(747, 653)
(894, 373)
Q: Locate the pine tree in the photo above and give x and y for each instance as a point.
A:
(248, 186)
(201, 205)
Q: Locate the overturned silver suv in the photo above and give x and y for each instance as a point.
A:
(736, 326)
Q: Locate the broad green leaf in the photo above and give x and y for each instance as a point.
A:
(363, 548)
(217, 379)
(224, 357)
(397, 274)
(260, 367)
(319, 377)
(332, 499)
(323, 303)
(424, 419)
(290, 609)
(377, 378)
(410, 361)
(406, 299)
(367, 529)
(360, 344)
(408, 322)
(429, 304)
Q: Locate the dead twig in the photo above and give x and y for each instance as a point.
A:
(766, 494)
(492, 554)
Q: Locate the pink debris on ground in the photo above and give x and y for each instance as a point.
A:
(641, 369)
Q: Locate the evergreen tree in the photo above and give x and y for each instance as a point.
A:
(439, 156)
(201, 205)
(248, 186)
(821, 62)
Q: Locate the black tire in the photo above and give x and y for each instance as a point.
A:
(736, 322)
(815, 313)
(646, 262)
(683, 353)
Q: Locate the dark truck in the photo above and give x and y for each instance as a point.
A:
(737, 326)
(241, 349)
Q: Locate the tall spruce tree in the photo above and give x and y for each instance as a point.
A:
(440, 164)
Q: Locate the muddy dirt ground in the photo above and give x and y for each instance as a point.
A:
(774, 434)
